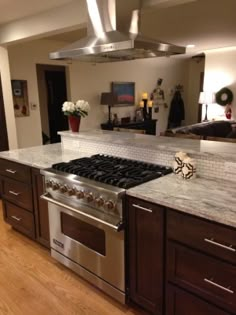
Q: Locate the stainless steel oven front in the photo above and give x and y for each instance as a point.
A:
(91, 246)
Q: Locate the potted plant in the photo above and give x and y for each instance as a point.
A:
(74, 111)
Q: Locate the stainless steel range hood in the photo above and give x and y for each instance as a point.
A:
(113, 35)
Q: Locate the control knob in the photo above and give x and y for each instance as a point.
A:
(63, 189)
(71, 191)
(110, 205)
(49, 183)
(55, 186)
(99, 201)
(89, 197)
(80, 194)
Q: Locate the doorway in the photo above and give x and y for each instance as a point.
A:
(3, 127)
(52, 94)
(200, 90)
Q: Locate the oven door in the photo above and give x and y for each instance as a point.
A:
(94, 244)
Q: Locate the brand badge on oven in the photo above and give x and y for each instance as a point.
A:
(58, 243)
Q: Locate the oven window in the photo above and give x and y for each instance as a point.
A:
(84, 233)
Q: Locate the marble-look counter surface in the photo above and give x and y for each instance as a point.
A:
(221, 150)
(41, 156)
(206, 198)
(210, 199)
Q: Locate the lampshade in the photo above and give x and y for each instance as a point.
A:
(108, 98)
(206, 98)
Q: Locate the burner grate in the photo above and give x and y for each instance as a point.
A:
(116, 171)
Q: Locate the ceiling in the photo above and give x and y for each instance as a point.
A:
(208, 24)
(15, 9)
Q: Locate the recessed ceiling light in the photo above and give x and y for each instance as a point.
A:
(190, 46)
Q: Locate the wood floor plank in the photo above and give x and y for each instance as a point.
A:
(33, 283)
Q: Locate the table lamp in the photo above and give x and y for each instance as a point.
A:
(206, 98)
(108, 98)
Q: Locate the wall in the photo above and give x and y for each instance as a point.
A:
(87, 81)
(23, 60)
(7, 97)
(220, 72)
(93, 79)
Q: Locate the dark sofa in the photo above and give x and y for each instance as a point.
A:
(213, 130)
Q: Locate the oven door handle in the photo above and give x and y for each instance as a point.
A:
(119, 227)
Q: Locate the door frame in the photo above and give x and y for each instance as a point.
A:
(42, 89)
(4, 145)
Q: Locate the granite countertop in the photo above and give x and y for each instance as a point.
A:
(41, 156)
(207, 198)
(221, 150)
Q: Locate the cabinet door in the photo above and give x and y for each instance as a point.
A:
(41, 210)
(145, 252)
(22, 220)
(180, 302)
(210, 278)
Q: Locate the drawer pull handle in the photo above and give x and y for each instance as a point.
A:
(15, 218)
(212, 241)
(142, 208)
(210, 281)
(10, 171)
(14, 193)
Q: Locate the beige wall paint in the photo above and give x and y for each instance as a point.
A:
(220, 72)
(90, 80)
(87, 81)
(23, 60)
(7, 97)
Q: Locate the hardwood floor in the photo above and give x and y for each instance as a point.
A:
(32, 283)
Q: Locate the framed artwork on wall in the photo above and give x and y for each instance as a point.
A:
(20, 98)
(125, 92)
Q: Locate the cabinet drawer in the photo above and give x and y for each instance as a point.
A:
(15, 170)
(180, 302)
(19, 218)
(206, 276)
(17, 192)
(206, 236)
(144, 206)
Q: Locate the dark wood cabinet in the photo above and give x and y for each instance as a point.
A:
(41, 209)
(204, 275)
(180, 302)
(148, 125)
(212, 238)
(201, 260)
(16, 188)
(21, 188)
(145, 254)
(19, 218)
(15, 171)
(17, 192)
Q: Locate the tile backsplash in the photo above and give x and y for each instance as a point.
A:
(208, 167)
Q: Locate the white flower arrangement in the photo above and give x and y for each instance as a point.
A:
(79, 108)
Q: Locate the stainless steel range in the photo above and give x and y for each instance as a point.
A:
(85, 199)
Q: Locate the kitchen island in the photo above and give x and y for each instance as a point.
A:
(190, 208)
(209, 198)
(210, 195)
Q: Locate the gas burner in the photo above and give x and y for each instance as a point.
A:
(115, 171)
